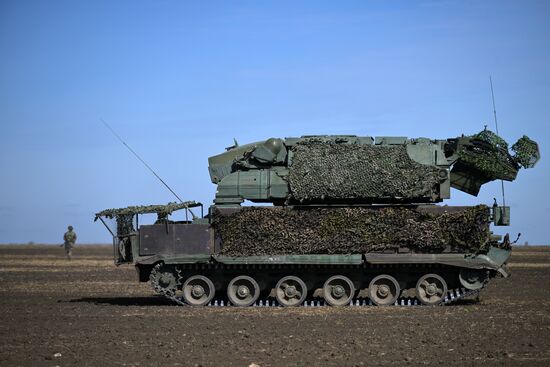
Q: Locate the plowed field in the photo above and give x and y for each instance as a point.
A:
(89, 312)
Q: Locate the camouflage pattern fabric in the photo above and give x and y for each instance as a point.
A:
(69, 239)
(285, 230)
(324, 170)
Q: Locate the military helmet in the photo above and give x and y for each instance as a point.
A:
(70, 228)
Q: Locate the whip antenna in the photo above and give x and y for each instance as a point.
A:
(144, 163)
(496, 126)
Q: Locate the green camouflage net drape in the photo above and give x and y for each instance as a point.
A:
(280, 230)
(324, 170)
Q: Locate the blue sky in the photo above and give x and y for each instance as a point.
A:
(179, 80)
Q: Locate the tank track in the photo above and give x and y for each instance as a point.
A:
(452, 296)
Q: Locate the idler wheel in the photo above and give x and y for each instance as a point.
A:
(198, 290)
(473, 279)
(384, 290)
(431, 289)
(290, 291)
(243, 291)
(338, 290)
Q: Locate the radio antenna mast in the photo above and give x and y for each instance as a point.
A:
(145, 164)
(496, 126)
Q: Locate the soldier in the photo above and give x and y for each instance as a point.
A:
(69, 239)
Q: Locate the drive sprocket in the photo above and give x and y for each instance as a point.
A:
(164, 280)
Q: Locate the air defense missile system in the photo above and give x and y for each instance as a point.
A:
(354, 221)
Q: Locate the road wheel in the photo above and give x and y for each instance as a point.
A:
(338, 290)
(243, 291)
(290, 291)
(198, 290)
(431, 289)
(384, 290)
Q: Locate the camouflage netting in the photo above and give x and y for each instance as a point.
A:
(144, 209)
(323, 170)
(124, 217)
(491, 138)
(489, 155)
(284, 230)
(124, 224)
(526, 151)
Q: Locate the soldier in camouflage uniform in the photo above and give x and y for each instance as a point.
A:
(69, 239)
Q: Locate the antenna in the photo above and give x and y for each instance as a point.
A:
(496, 126)
(144, 163)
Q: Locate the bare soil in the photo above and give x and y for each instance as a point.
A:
(88, 312)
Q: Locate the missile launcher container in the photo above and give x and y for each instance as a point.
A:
(353, 221)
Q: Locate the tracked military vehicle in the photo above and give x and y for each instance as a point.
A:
(354, 221)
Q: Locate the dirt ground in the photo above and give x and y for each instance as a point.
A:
(89, 312)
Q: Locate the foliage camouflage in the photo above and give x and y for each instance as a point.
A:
(526, 152)
(286, 230)
(328, 170)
